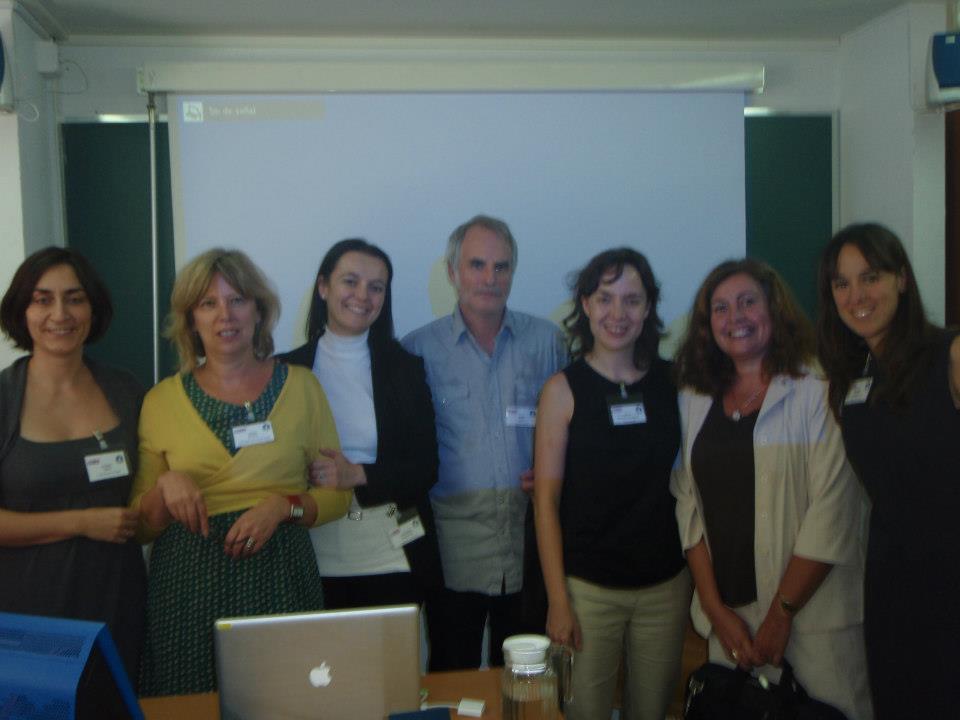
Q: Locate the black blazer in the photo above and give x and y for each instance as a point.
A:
(407, 462)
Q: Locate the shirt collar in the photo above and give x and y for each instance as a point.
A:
(780, 387)
(459, 326)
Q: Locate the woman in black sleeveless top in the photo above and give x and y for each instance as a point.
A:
(895, 388)
(607, 434)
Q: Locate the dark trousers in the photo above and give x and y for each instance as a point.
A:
(341, 593)
(456, 621)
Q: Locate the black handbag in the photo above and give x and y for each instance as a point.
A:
(716, 692)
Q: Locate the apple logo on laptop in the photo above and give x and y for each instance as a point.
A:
(320, 676)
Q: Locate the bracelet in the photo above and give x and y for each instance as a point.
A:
(296, 508)
(788, 608)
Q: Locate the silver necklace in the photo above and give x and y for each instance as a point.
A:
(738, 412)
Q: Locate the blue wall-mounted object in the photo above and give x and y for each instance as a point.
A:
(943, 69)
(946, 59)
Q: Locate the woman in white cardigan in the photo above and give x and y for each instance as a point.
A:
(768, 508)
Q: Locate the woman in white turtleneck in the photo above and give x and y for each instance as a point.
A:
(385, 551)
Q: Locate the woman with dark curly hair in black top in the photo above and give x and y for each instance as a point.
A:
(606, 437)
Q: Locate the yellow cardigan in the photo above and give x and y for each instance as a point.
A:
(173, 436)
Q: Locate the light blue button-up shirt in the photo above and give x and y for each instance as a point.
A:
(478, 504)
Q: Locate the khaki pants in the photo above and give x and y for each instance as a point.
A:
(645, 626)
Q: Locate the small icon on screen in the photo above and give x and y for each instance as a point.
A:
(192, 111)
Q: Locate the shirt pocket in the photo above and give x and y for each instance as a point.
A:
(457, 421)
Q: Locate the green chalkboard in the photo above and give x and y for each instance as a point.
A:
(107, 190)
(789, 162)
(789, 216)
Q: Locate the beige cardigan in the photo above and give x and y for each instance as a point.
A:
(807, 500)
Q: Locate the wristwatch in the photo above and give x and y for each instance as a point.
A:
(296, 508)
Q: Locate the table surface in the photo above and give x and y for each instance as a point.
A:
(444, 687)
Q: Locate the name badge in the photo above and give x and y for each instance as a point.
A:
(628, 413)
(255, 433)
(407, 530)
(859, 391)
(521, 416)
(106, 465)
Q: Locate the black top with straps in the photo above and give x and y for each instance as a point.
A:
(616, 511)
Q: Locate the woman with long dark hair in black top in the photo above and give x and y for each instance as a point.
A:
(895, 389)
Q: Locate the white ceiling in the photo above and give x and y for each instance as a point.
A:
(695, 19)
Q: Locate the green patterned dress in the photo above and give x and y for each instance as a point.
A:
(193, 582)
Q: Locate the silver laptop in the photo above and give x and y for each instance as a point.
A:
(330, 665)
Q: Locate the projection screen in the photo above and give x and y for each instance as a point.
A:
(573, 173)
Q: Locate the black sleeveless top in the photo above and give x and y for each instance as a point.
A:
(909, 463)
(616, 510)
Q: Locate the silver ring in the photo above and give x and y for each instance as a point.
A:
(251, 542)
(733, 653)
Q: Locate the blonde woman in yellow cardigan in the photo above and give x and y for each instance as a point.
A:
(222, 485)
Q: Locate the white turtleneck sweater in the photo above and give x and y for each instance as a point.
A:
(358, 544)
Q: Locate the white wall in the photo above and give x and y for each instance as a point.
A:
(892, 146)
